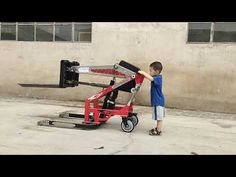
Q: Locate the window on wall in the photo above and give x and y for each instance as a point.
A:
(212, 32)
(199, 32)
(46, 31)
(8, 31)
(63, 32)
(26, 32)
(224, 32)
(82, 32)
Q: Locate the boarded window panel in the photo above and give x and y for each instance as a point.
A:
(85, 37)
(225, 32)
(8, 31)
(82, 32)
(199, 32)
(44, 33)
(25, 32)
(63, 32)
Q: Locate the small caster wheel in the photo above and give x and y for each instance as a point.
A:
(134, 119)
(127, 126)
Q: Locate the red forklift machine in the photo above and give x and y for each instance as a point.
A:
(97, 112)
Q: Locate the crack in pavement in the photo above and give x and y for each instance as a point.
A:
(125, 146)
(223, 125)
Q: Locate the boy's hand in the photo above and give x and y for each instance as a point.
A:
(146, 75)
(141, 72)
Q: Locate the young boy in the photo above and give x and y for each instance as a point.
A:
(157, 97)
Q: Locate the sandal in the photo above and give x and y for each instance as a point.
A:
(154, 132)
(159, 132)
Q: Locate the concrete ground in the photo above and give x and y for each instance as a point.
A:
(184, 132)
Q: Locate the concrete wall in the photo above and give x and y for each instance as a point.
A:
(196, 76)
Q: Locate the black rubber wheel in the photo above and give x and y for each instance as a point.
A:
(128, 126)
(134, 119)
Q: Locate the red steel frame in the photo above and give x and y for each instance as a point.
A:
(96, 110)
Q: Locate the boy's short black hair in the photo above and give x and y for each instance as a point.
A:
(156, 66)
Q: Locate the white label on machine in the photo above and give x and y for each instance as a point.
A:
(84, 69)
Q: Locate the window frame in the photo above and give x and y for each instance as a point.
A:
(8, 23)
(77, 23)
(23, 24)
(211, 35)
(63, 23)
(224, 41)
(54, 31)
(45, 24)
(187, 42)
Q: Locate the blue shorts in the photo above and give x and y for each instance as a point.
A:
(158, 112)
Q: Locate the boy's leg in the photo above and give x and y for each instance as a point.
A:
(161, 115)
(154, 117)
(158, 113)
(157, 129)
(159, 125)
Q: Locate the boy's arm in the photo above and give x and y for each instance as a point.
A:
(148, 76)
